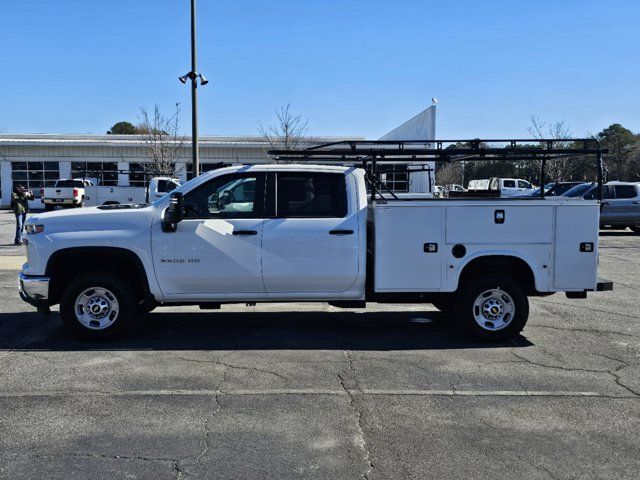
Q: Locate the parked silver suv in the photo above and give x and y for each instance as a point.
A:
(620, 203)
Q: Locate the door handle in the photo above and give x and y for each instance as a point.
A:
(636, 203)
(341, 232)
(245, 232)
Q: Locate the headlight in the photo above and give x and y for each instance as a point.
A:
(32, 229)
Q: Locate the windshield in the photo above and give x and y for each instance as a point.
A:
(181, 188)
(561, 189)
(578, 190)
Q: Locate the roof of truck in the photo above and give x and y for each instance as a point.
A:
(284, 167)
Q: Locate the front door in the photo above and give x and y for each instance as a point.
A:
(216, 249)
(606, 209)
(311, 243)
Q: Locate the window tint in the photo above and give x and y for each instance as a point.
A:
(523, 184)
(509, 184)
(70, 183)
(607, 193)
(625, 191)
(560, 189)
(166, 186)
(228, 196)
(578, 190)
(311, 195)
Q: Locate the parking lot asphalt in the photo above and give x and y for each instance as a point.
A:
(308, 391)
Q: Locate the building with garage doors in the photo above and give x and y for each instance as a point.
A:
(38, 160)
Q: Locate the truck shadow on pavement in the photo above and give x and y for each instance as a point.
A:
(391, 330)
(618, 233)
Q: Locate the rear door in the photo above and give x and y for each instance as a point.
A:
(509, 188)
(310, 243)
(625, 208)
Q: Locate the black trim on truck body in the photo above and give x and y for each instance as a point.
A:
(74, 253)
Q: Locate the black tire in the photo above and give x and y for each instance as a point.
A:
(635, 228)
(48, 207)
(468, 309)
(103, 328)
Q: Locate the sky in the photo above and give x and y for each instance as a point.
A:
(352, 68)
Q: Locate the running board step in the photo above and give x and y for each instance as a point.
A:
(349, 304)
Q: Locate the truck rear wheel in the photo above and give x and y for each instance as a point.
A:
(48, 207)
(635, 228)
(493, 309)
(98, 307)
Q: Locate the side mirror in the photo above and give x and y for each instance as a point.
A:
(173, 213)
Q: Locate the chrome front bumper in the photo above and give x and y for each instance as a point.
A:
(34, 289)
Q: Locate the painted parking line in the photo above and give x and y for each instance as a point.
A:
(12, 262)
(312, 392)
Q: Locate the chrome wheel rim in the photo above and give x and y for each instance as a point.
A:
(494, 310)
(96, 308)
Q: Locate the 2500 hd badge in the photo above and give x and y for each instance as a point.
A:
(179, 260)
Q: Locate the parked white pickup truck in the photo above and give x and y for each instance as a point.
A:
(68, 193)
(84, 193)
(504, 187)
(115, 195)
(303, 233)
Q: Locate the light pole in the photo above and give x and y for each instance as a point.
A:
(193, 75)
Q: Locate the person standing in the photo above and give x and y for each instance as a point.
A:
(20, 205)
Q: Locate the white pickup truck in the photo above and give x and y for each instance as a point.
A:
(84, 193)
(116, 195)
(304, 233)
(67, 193)
(504, 187)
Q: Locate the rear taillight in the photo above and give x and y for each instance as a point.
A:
(75, 192)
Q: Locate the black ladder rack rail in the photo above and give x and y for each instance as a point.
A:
(513, 150)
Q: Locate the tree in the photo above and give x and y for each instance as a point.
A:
(289, 131)
(449, 173)
(623, 159)
(559, 168)
(123, 128)
(163, 144)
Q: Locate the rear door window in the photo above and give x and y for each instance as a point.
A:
(509, 184)
(311, 195)
(607, 193)
(625, 191)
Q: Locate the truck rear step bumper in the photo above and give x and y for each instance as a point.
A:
(604, 285)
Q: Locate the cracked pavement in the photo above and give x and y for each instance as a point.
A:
(314, 392)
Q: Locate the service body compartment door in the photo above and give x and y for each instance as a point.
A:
(576, 268)
(501, 223)
(408, 248)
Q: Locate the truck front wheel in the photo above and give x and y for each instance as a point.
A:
(493, 309)
(98, 307)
